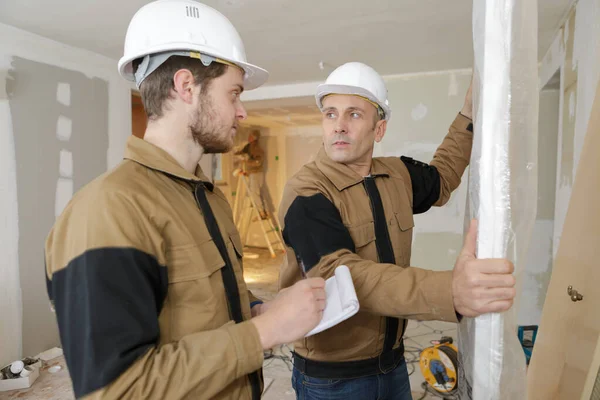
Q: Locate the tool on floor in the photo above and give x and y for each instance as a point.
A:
(439, 365)
(246, 211)
(527, 335)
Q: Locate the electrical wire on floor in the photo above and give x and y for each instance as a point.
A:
(424, 394)
(411, 355)
(279, 353)
(428, 390)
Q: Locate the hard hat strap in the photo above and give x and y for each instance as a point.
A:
(151, 62)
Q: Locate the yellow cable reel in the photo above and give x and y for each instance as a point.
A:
(439, 365)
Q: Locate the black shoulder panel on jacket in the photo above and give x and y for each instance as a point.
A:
(425, 184)
(107, 304)
(314, 228)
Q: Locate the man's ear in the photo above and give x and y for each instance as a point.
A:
(380, 128)
(183, 85)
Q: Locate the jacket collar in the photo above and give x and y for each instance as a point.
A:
(153, 157)
(343, 176)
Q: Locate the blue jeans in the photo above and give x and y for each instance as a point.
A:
(391, 386)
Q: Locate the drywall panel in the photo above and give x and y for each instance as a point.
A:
(586, 61)
(537, 273)
(547, 152)
(16, 43)
(10, 287)
(19, 43)
(423, 107)
(436, 250)
(576, 51)
(60, 129)
(538, 269)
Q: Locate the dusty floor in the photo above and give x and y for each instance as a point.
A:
(48, 386)
(261, 275)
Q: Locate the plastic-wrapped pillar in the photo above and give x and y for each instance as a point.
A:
(502, 185)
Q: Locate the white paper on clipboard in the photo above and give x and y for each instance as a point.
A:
(342, 302)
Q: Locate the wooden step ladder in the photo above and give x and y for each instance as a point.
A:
(246, 211)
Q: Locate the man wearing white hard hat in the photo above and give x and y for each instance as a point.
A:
(144, 267)
(359, 212)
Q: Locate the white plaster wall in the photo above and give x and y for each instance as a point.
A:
(586, 60)
(536, 276)
(586, 64)
(18, 43)
(538, 262)
(574, 108)
(424, 106)
(10, 287)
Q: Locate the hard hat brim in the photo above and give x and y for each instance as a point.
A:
(254, 76)
(327, 89)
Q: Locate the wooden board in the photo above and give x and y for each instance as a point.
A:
(569, 331)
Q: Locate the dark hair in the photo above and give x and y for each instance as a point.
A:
(156, 88)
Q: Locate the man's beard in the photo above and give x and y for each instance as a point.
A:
(206, 129)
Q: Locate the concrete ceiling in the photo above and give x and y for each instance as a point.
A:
(291, 37)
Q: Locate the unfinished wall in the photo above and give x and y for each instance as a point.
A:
(65, 116)
(575, 53)
(57, 147)
(10, 286)
(423, 107)
(538, 269)
(574, 58)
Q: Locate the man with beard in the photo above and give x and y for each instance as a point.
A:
(359, 211)
(144, 266)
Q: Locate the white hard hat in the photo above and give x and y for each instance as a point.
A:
(357, 79)
(184, 27)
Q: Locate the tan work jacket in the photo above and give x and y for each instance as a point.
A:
(137, 281)
(328, 215)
